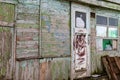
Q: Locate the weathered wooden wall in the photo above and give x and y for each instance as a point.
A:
(55, 40)
(42, 39)
(27, 70)
(27, 40)
(55, 25)
(27, 28)
(6, 37)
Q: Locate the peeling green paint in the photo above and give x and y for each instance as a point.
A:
(5, 35)
(7, 12)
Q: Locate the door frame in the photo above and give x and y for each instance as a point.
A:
(86, 9)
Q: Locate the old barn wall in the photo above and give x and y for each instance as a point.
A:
(42, 38)
(27, 28)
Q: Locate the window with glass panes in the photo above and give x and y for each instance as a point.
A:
(106, 33)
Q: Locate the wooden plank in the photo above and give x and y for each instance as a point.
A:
(27, 42)
(28, 16)
(106, 65)
(28, 70)
(117, 60)
(56, 69)
(114, 1)
(33, 2)
(114, 77)
(25, 8)
(45, 71)
(27, 30)
(3, 23)
(9, 1)
(112, 65)
(6, 55)
(26, 22)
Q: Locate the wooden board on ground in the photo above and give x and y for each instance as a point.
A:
(112, 66)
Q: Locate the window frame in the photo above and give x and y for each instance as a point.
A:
(107, 32)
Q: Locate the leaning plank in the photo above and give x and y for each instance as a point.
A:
(105, 63)
(114, 65)
(114, 77)
(117, 60)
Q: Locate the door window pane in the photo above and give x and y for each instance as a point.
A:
(101, 31)
(80, 19)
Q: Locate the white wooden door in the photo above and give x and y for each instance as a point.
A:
(80, 29)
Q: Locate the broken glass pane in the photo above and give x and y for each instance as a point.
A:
(112, 32)
(101, 31)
